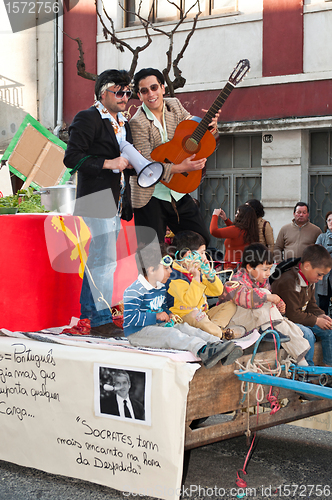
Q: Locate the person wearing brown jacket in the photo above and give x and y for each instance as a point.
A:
(293, 238)
(296, 287)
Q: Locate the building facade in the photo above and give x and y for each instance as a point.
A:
(275, 127)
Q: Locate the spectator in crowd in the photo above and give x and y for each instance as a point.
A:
(265, 230)
(293, 238)
(237, 235)
(296, 287)
(324, 288)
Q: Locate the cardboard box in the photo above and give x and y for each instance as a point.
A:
(35, 155)
(38, 159)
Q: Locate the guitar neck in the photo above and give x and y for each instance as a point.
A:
(218, 103)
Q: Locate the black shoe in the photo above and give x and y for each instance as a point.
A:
(269, 337)
(210, 354)
(235, 354)
(107, 331)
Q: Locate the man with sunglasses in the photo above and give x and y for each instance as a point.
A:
(154, 123)
(103, 183)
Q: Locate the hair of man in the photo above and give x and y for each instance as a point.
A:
(144, 73)
(326, 217)
(120, 373)
(317, 256)
(115, 76)
(301, 204)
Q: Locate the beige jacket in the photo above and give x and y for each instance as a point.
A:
(265, 233)
(146, 137)
(293, 239)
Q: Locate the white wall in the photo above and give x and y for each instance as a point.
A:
(215, 48)
(281, 176)
(18, 66)
(317, 54)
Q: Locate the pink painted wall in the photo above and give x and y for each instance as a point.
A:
(282, 37)
(80, 21)
(268, 101)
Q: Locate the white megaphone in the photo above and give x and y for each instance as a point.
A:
(148, 173)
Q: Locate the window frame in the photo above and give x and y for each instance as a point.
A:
(153, 9)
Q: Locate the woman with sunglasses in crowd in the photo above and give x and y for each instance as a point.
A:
(237, 235)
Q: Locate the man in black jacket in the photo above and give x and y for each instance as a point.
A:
(103, 180)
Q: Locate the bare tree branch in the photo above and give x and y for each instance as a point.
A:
(187, 40)
(179, 81)
(171, 85)
(81, 64)
(120, 44)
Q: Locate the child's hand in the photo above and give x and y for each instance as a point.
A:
(281, 306)
(163, 316)
(324, 322)
(274, 298)
(193, 268)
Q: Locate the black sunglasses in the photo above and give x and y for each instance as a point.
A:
(121, 93)
(153, 88)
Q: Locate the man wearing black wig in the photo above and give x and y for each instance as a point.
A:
(103, 182)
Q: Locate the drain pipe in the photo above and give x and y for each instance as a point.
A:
(59, 81)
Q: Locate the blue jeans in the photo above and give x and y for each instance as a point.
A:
(99, 270)
(325, 336)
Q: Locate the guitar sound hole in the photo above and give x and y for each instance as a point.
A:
(190, 145)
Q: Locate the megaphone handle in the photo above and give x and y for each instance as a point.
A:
(117, 171)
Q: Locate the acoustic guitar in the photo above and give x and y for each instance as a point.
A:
(191, 137)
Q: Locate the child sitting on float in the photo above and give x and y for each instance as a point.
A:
(257, 307)
(147, 321)
(191, 280)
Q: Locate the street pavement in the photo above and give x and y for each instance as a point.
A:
(287, 462)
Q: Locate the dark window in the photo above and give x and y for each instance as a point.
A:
(163, 10)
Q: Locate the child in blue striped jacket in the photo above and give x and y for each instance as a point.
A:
(147, 322)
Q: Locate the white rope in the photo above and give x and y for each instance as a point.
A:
(261, 367)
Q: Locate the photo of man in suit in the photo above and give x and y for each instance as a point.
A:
(117, 400)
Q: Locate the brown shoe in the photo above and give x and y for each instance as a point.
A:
(235, 332)
(239, 331)
(108, 330)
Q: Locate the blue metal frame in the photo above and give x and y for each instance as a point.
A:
(291, 384)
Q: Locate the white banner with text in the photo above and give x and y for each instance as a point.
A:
(109, 417)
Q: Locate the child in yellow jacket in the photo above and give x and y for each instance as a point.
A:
(188, 287)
